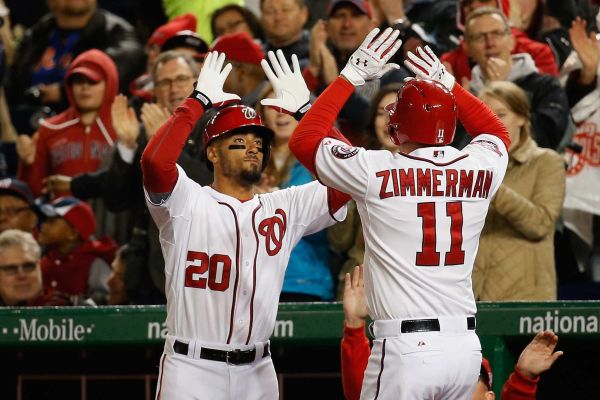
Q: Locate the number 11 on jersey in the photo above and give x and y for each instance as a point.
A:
(429, 257)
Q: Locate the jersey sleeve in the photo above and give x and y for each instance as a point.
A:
(175, 204)
(489, 152)
(342, 167)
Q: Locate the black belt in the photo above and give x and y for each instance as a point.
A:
(235, 357)
(428, 325)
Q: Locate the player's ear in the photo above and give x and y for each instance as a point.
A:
(212, 154)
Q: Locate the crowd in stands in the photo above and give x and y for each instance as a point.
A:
(83, 89)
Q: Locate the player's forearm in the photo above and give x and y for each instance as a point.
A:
(477, 118)
(318, 122)
(519, 387)
(355, 356)
(163, 149)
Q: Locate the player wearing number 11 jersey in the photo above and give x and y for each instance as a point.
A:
(226, 247)
(422, 211)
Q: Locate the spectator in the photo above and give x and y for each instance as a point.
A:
(537, 357)
(74, 262)
(346, 236)
(490, 42)
(233, 18)
(21, 275)
(548, 22)
(247, 78)
(307, 277)
(45, 53)
(202, 10)
(116, 281)
(515, 260)
(142, 85)
(283, 22)
(459, 60)
(120, 185)
(348, 24)
(76, 140)
(15, 206)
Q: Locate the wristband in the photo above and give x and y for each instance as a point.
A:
(302, 111)
(202, 98)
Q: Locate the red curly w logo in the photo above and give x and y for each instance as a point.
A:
(273, 229)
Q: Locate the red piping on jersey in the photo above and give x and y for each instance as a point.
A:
(162, 373)
(161, 154)
(433, 162)
(477, 118)
(253, 272)
(381, 370)
(237, 270)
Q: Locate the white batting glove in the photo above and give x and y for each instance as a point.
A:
(426, 65)
(368, 62)
(291, 93)
(209, 88)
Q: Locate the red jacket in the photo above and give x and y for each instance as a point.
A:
(355, 355)
(69, 273)
(65, 146)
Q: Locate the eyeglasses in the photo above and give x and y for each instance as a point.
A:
(179, 81)
(12, 211)
(483, 36)
(13, 269)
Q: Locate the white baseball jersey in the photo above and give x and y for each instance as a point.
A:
(225, 259)
(422, 214)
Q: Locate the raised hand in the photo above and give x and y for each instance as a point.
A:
(369, 61)
(539, 355)
(587, 49)
(25, 147)
(153, 116)
(427, 66)
(355, 304)
(124, 121)
(209, 88)
(496, 69)
(291, 93)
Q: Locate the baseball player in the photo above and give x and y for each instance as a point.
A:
(225, 247)
(422, 211)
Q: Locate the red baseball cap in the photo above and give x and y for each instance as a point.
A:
(362, 5)
(76, 212)
(239, 47)
(486, 372)
(184, 22)
(90, 70)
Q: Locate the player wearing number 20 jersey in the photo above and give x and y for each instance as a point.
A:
(422, 213)
(226, 248)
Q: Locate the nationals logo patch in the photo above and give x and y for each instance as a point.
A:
(488, 145)
(344, 152)
(273, 229)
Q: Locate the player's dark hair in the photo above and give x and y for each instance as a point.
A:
(172, 55)
(251, 19)
(513, 97)
(371, 138)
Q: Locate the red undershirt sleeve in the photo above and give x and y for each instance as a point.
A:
(477, 118)
(163, 149)
(318, 122)
(355, 356)
(519, 387)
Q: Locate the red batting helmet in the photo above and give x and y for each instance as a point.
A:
(237, 119)
(424, 112)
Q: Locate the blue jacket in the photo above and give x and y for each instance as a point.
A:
(308, 269)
